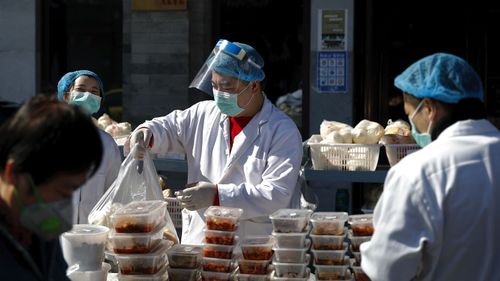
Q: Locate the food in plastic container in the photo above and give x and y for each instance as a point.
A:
(250, 277)
(215, 276)
(356, 241)
(149, 263)
(257, 247)
(361, 225)
(218, 251)
(182, 274)
(329, 257)
(136, 243)
(184, 256)
(253, 266)
(359, 274)
(331, 272)
(290, 255)
(219, 237)
(290, 240)
(328, 223)
(305, 278)
(139, 216)
(291, 270)
(84, 245)
(327, 242)
(222, 218)
(290, 220)
(216, 265)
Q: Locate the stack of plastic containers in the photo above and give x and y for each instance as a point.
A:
(83, 250)
(257, 252)
(136, 239)
(328, 247)
(184, 262)
(220, 242)
(361, 231)
(290, 228)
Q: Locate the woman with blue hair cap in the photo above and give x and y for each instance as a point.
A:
(83, 88)
(241, 150)
(437, 218)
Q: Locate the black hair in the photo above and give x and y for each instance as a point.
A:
(464, 109)
(47, 137)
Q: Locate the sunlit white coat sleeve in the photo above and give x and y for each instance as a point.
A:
(258, 174)
(85, 198)
(437, 218)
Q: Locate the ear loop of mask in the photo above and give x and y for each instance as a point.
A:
(245, 106)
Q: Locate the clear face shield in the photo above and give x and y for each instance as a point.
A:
(232, 63)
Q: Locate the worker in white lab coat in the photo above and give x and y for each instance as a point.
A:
(241, 150)
(438, 217)
(84, 88)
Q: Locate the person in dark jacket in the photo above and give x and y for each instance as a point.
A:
(37, 178)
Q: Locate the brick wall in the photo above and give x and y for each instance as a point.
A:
(155, 63)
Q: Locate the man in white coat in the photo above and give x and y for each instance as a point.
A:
(241, 150)
(438, 217)
(84, 88)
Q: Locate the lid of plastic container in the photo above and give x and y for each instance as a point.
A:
(291, 214)
(87, 229)
(184, 249)
(258, 240)
(329, 216)
(226, 212)
(360, 218)
(141, 207)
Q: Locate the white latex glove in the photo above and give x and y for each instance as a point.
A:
(142, 136)
(197, 195)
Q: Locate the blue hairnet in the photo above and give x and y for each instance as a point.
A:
(441, 76)
(65, 82)
(241, 69)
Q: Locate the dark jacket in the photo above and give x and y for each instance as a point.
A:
(43, 262)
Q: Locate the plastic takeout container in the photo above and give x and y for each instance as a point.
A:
(356, 241)
(331, 272)
(222, 218)
(184, 256)
(250, 277)
(216, 265)
(139, 216)
(94, 275)
(182, 274)
(359, 274)
(291, 255)
(215, 276)
(327, 242)
(218, 251)
(328, 223)
(253, 266)
(136, 243)
(290, 220)
(276, 278)
(290, 240)
(292, 270)
(144, 264)
(257, 247)
(219, 237)
(329, 257)
(84, 245)
(361, 225)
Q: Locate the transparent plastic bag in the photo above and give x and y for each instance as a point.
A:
(137, 181)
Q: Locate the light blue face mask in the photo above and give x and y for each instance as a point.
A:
(422, 139)
(228, 103)
(89, 102)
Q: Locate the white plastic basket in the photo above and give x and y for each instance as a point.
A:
(396, 152)
(343, 157)
(175, 210)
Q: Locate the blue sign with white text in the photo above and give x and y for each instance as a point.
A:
(331, 76)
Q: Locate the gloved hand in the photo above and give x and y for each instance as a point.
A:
(197, 195)
(142, 136)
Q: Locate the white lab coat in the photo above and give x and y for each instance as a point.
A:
(85, 198)
(259, 174)
(439, 215)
